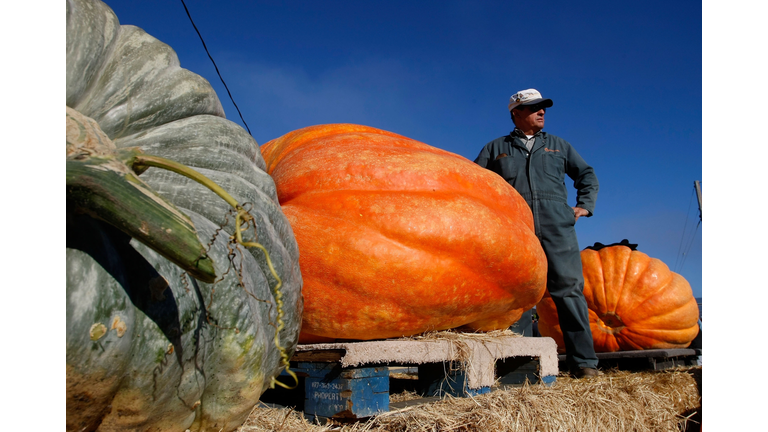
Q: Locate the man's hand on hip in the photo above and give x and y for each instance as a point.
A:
(578, 211)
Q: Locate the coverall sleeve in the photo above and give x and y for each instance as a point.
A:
(584, 180)
(484, 157)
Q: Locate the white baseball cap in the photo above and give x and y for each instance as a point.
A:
(528, 97)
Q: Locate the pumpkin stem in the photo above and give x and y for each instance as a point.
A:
(140, 162)
(105, 189)
(610, 323)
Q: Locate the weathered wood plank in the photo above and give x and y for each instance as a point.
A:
(331, 355)
(336, 392)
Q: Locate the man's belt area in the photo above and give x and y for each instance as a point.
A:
(529, 197)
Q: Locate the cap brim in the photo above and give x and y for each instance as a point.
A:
(547, 103)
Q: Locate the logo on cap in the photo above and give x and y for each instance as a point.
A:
(527, 97)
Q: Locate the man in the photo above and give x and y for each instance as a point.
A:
(535, 164)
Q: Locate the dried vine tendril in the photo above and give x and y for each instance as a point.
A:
(141, 162)
(241, 216)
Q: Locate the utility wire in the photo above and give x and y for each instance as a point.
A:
(216, 67)
(682, 237)
(688, 248)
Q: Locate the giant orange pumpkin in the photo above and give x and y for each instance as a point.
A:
(635, 302)
(397, 237)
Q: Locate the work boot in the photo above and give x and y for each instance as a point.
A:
(585, 372)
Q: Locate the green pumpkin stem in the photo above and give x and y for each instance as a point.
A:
(99, 187)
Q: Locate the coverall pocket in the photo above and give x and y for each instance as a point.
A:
(508, 168)
(571, 213)
(554, 165)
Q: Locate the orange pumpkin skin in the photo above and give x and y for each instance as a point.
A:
(397, 237)
(635, 302)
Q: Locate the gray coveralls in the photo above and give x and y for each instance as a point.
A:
(538, 175)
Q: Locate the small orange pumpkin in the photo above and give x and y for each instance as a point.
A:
(397, 237)
(635, 302)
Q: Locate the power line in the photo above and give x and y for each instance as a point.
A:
(682, 237)
(688, 248)
(682, 252)
(215, 67)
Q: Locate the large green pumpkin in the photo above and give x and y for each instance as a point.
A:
(148, 346)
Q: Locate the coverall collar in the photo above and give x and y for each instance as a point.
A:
(540, 137)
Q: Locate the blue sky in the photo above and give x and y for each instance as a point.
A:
(625, 78)
(626, 81)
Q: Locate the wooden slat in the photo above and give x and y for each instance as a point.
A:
(318, 356)
(413, 402)
(678, 352)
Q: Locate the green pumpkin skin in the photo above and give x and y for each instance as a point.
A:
(161, 365)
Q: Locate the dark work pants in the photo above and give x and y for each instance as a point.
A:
(555, 222)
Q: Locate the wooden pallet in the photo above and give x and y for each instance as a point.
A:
(351, 380)
(652, 359)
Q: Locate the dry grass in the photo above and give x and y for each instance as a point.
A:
(615, 401)
(403, 396)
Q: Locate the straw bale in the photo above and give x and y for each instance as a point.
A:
(614, 401)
